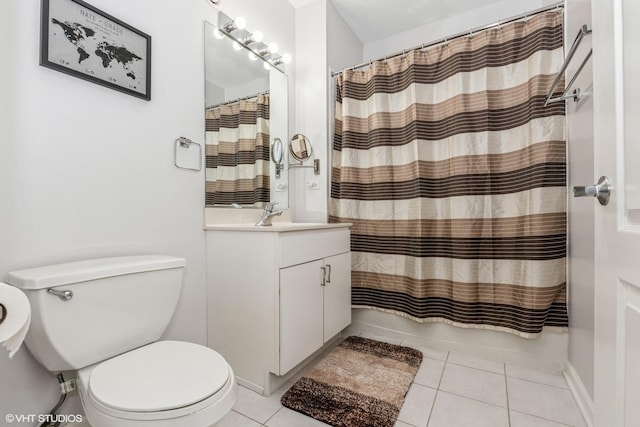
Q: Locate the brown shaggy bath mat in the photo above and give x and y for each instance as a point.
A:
(361, 383)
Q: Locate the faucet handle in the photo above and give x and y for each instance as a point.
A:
(269, 207)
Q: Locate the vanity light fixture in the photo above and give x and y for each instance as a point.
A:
(277, 60)
(237, 24)
(263, 51)
(235, 29)
(256, 37)
(218, 34)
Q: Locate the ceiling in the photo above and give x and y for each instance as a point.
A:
(373, 20)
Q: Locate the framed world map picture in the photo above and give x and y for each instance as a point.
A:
(83, 41)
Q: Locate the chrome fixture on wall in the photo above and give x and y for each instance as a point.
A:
(236, 30)
(300, 149)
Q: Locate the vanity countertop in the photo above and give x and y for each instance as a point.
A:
(221, 219)
(276, 227)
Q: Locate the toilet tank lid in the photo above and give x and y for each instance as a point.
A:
(92, 269)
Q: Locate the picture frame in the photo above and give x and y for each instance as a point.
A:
(81, 40)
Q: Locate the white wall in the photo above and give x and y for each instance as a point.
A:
(311, 110)
(213, 94)
(324, 43)
(250, 88)
(86, 171)
(581, 211)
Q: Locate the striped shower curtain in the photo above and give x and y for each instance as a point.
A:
(452, 171)
(237, 153)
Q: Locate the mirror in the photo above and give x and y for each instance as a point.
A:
(300, 147)
(246, 110)
(276, 155)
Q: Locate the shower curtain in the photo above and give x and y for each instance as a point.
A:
(452, 171)
(237, 152)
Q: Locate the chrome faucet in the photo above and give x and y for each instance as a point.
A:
(267, 214)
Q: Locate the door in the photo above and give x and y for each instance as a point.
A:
(616, 37)
(300, 313)
(337, 294)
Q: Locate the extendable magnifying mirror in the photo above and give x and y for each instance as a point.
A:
(300, 147)
(277, 153)
(301, 150)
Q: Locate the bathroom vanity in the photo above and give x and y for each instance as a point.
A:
(276, 295)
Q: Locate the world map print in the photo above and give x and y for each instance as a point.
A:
(87, 44)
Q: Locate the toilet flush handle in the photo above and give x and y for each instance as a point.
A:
(63, 295)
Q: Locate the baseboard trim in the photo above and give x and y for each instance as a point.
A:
(580, 394)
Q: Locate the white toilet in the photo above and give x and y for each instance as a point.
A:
(103, 318)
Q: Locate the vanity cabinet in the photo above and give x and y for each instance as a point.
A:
(275, 296)
(315, 305)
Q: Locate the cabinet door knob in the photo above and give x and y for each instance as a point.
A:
(324, 275)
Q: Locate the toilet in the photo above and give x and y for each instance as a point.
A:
(103, 318)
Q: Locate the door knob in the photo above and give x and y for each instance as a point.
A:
(601, 190)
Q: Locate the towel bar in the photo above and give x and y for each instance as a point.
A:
(576, 92)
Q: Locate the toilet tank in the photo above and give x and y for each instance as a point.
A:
(118, 304)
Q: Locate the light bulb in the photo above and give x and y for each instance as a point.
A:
(266, 65)
(252, 56)
(258, 36)
(237, 46)
(240, 22)
(286, 58)
(218, 34)
(273, 47)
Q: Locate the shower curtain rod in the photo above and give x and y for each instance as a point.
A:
(455, 36)
(266, 92)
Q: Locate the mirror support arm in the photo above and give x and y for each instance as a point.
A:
(316, 166)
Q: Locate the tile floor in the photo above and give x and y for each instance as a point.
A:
(449, 390)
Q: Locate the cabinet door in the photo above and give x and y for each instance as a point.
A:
(337, 294)
(300, 313)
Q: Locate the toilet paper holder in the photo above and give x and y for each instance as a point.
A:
(3, 313)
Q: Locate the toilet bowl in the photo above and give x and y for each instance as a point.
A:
(103, 318)
(177, 383)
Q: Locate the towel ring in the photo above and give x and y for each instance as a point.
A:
(187, 143)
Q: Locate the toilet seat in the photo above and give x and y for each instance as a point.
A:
(162, 380)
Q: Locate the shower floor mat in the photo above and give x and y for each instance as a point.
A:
(361, 383)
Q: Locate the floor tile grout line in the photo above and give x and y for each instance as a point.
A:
(544, 419)
(479, 369)
(247, 416)
(433, 404)
(471, 398)
(274, 414)
(506, 391)
(446, 360)
(402, 343)
(538, 382)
